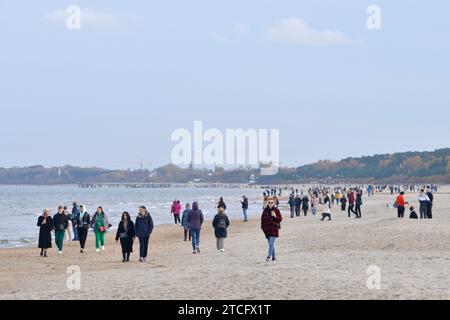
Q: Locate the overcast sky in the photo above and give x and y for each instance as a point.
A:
(112, 93)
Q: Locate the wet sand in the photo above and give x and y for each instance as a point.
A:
(316, 260)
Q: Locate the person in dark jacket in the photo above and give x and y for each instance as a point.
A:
(185, 223)
(343, 203)
(270, 225)
(221, 204)
(221, 224)
(413, 213)
(126, 234)
(298, 205)
(430, 203)
(305, 205)
(60, 223)
(244, 203)
(45, 224)
(74, 216)
(195, 220)
(143, 229)
(291, 203)
(358, 204)
(82, 224)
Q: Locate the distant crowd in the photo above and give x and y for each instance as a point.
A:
(75, 224)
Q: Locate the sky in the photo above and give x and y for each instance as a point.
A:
(111, 93)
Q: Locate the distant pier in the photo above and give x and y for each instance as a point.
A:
(162, 185)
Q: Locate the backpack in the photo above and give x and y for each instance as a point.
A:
(222, 224)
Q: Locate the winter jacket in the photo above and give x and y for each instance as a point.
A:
(218, 231)
(143, 225)
(195, 219)
(271, 225)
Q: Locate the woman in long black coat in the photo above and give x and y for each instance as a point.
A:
(45, 224)
(126, 234)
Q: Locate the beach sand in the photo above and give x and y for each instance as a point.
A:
(316, 260)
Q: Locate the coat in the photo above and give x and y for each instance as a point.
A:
(143, 226)
(105, 222)
(184, 219)
(60, 222)
(195, 219)
(126, 243)
(271, 225)
(45, 232)
(220, 232)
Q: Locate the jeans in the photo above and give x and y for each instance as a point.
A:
(430, 210)
(244, 211)
(75, 232)
(423, 211)
(292, 212)
(176, 217)
(314, 211)
(271, 241)
(195, 233)
(351, 209)
(358, 210)
(143, 246)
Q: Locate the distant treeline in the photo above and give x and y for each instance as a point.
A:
(407, 167)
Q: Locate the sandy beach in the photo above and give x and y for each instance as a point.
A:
(316, 260)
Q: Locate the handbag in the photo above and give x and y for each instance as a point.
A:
(123, 235)
(102, 229)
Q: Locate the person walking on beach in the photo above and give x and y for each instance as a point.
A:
(143, 230)
(68, 235)
(220, 224)
(221, 204)
(327, 208)
(74, 216)
(185, 223)
(176, 209)
(45, 224)
(358, 204)
(401, 203)
(291, 203)
(305, 205)
(430, 203)
(82, 225)
(351, 202)
(100, 225)
(270, 224)
(298, 205)
(60, 223)
(195, 220)
(314, 204)
(343, 203)
(126, 235)
(244, 203)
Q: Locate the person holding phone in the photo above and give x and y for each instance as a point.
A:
(82, 225)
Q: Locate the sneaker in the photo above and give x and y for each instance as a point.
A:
(198, 250)
(59, 252)
(97, 250)
(274, 259)
(268, 259)
(195, 252)
(103, 248)
(81, 251)
(45, 255)
(222, 250)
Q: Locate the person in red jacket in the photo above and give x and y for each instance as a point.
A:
(401, 204)
(351, 202)
(270, 225)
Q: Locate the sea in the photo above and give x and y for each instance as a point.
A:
(20, 206)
